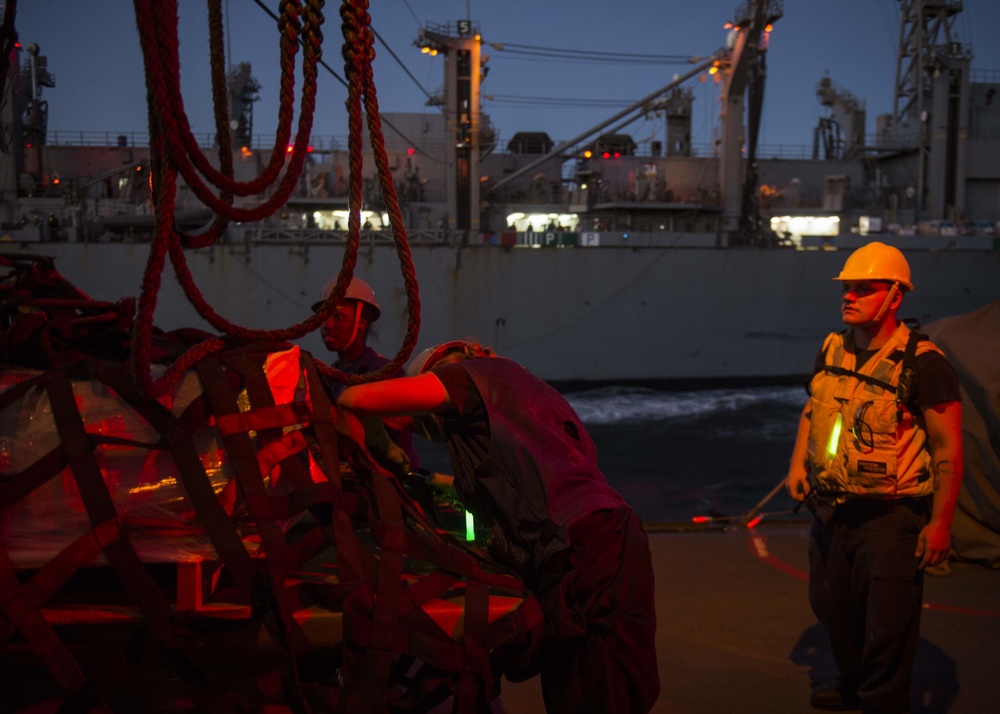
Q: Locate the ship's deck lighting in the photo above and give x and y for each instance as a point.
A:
(797, 226)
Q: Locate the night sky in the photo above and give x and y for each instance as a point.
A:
(93, 53)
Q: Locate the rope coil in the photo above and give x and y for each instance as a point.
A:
(174, 151)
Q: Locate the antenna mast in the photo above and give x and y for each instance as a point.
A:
(931, 103)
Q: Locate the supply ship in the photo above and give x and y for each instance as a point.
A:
(145, 538)
(595, 259)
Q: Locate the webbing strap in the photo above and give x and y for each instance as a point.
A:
(414, 631)
(476, 665)
(176, 435)
(44, 583)
(328, 442)
(100, 508)
(904, 389)
(841, 372)
(23, 613)
(385, 626)
(219, 380)
(385, 614)
(14, 487)
(98, 503)
(263, 418)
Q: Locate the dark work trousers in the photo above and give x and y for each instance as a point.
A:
(599, 650)
(866, 590)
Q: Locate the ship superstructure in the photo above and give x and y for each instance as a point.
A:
(635, 227)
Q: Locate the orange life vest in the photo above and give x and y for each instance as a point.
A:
(863, 439)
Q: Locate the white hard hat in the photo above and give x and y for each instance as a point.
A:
(358, 290)
(431, 356)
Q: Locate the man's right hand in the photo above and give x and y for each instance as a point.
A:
(797, 482)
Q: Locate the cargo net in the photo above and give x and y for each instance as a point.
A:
(233, 528)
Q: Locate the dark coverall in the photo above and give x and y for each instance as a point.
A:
(524, 461)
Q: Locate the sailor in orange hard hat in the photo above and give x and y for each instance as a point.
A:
(878, 458)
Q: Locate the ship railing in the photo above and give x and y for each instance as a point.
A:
(206, 140)
(269, 235)
(333, 143)
(986, 76)
(701, 150)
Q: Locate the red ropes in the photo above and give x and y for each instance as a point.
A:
(174, 151)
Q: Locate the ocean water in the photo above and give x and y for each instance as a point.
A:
(678, 455)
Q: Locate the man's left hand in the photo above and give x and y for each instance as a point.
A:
(933, 543)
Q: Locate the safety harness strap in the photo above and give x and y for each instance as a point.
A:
(905, 387)
(842, 372)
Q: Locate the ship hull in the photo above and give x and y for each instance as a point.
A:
(642, 314)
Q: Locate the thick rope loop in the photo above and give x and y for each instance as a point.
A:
(358, 51)
(158, 31)
(190, 161)
(220, 103)
(174, 151)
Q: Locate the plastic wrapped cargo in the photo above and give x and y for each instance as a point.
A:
(139, 471)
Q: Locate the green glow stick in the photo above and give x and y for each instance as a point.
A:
(470, 528)
(831, 448)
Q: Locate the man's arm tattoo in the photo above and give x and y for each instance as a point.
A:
(941, 468)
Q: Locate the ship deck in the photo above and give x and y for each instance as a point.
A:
(736, 634)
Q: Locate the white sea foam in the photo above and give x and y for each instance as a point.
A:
(614, 405)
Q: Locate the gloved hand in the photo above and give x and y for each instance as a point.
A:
(368, 430)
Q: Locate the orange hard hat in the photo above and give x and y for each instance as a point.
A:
(877, 261)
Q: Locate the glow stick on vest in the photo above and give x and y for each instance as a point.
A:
(831, 447)
(470, 526)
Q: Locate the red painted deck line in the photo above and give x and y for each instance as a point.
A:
(757, 545)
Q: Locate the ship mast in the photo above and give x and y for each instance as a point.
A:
(460, 42)
(931, 102)
(746, 71)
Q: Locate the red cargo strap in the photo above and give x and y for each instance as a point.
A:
(23, 613)
(221, 377)
(120, 554)
(175, 434)
(262, 418)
